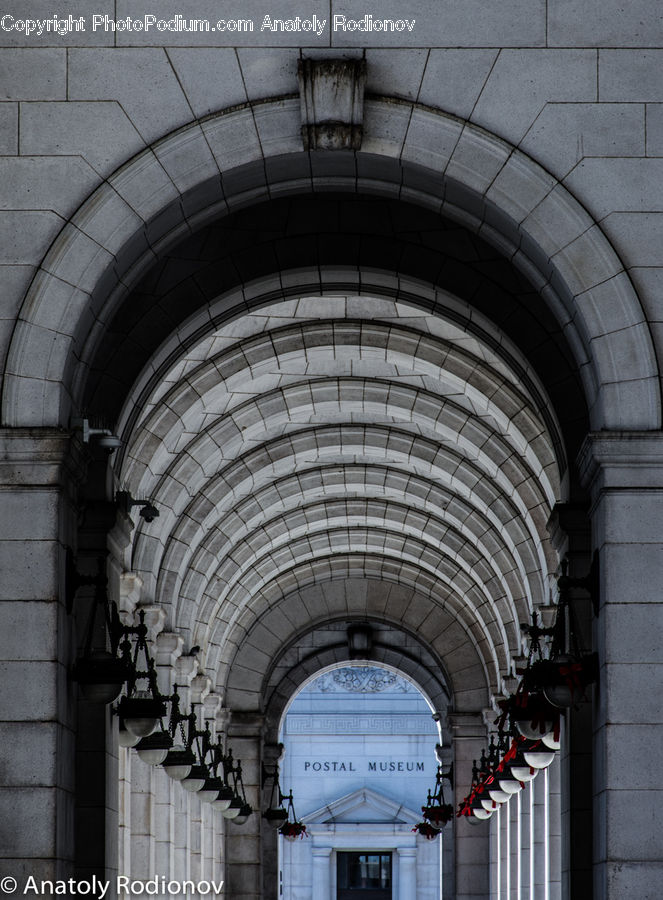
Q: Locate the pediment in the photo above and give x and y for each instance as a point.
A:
(361, 807)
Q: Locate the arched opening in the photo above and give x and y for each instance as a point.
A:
(360, 752)
(361, 403)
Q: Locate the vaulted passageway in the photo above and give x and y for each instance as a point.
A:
(355, 390)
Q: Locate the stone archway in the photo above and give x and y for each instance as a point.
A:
(478, 456)
(205, 170)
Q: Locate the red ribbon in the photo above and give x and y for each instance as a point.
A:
(572, 675)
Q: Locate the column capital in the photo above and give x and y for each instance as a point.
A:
(322, 853)
(169, 648)
(155, 620)
(611, 460)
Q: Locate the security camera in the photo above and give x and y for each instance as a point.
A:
(126, 503)
(109, 441)
(149, 512)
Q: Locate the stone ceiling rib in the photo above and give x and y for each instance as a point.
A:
(283, 447)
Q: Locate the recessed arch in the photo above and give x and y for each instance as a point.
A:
(187, 179)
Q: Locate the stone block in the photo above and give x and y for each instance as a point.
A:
(472, 24)
(233, 139)
(453, 79)
(634, 823)
(219, 34)
(654, 119)
(430, 140)
(268, 72)
(45, 183)
(395, 72)
(32, 74)
(32, 691)
(637, 237)
(28, 817)
(631, 518)
(521, 83)
(602, 23)
(40, 755)
(145, 186)
(187, 159)
(278, 127)
(8, 128)
(605, 185)
(634, 76)
(141, 80)
(621, 746)
(566, 132)
(15, 226)
(30, 570)
(633, 879)
(631, 629)
(29, 630)
(210, 78)
(99, 131)
(587, 261)
(608, 306)
(517, 189)
(630, 693)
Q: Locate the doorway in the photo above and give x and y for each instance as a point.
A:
(363, 876)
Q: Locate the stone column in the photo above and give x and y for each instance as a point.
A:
(624, 472)
(38, 472)
(186, 668)
(200, 688)
(167, 651)
(570, 534)
(540, 834)
(243, 866)
(472, 849)
(554, 833)
(321, 873)
(407, 873)
(525, 849)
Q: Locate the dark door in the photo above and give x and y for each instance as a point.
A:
(363, 876)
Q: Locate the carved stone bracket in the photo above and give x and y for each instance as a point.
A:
(331, 92)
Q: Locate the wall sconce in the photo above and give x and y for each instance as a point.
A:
(102, 437)
(275, 814)
(280, 817)
(102, 674)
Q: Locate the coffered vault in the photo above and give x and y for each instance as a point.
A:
(329, 437)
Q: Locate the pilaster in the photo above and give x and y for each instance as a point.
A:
(624, 473)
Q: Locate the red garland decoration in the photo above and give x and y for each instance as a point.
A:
(293, 830)
(426, 830)
(438, 815)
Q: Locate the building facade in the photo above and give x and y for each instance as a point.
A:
(360, 752)
(373, 319)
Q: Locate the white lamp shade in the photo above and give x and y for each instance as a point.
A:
(153, 756)
(481, 813)
(509, 785)
(127, 738)
(539, 759)
(550, 742)
(523, 773)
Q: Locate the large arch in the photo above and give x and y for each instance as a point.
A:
(232, 159)
(453, 470)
